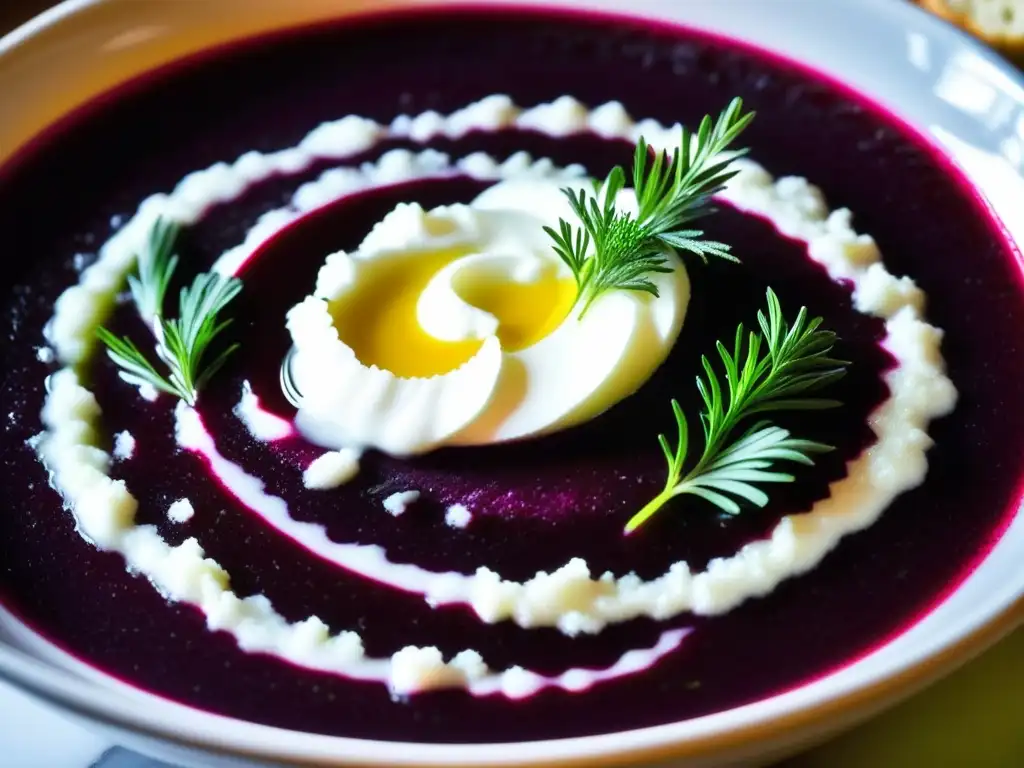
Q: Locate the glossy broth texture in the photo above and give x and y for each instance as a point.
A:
(539, 503)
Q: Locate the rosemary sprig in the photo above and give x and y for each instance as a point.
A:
(616, 250)
(182, 343)
(795, 365)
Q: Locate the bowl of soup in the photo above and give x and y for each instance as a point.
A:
(504, 384)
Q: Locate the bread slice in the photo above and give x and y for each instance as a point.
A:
(998, 22)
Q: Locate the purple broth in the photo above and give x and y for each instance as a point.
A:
(537, 503)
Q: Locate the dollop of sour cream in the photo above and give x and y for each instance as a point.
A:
(459, 326)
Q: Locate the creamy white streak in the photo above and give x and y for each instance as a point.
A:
(570, 598)
(576, 600)
(105, 510)
(261, 423)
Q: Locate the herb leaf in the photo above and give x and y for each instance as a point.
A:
(616, 250)
(795, 364)
(182, 343)
(135, 368)
(155, 266)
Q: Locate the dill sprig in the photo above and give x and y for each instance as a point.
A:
(154, 267)
(182, 343)
(617, 250)
(795, 364)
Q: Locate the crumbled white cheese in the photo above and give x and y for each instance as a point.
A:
(45, 355)
(457, 516)
(397, 503)
(882, 293)
(148, 392)
(332, 469)
(563, 116)
(124, 445)
(417, 669)
(180, 511)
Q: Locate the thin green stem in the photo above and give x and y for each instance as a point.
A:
(649, 509)
(762, 374)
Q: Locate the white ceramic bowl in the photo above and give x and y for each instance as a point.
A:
(963, 96)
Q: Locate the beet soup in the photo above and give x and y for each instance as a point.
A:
(534, 504)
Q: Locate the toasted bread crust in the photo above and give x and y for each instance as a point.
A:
(1012, 45)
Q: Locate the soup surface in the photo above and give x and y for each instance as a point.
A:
(534, 504)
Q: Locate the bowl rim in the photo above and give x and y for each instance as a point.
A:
(977, 631)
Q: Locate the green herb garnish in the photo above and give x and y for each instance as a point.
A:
(182, 343)
(155, 266)
(795, 365)
(615, 250)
